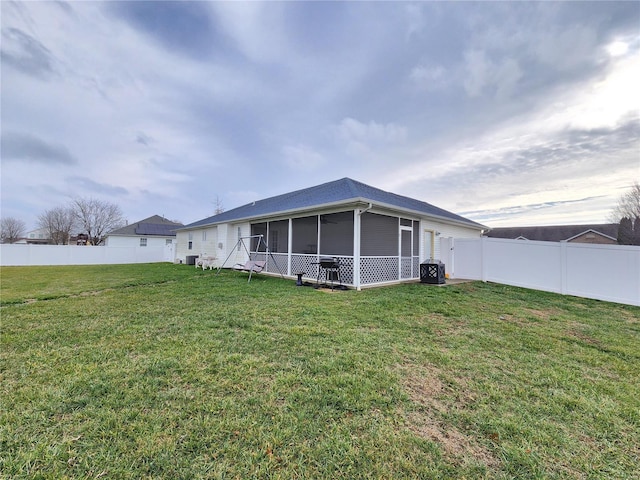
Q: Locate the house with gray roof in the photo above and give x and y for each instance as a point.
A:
(155, 231)
(377, 237)
(602, 233)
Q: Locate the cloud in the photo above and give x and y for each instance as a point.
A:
(89, 185)
(26, 54)
(371, 133)
(182, 27)
(429, 77)
(302, 157)
(143, 139)
(469, 106)
(28, 147)
(482, 74)
(539, 213)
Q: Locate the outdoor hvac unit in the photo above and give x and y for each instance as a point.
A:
(432, 271)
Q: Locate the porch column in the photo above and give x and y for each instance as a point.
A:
(356, 248)
(289, 246)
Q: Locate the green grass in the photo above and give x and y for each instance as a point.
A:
(164, 371)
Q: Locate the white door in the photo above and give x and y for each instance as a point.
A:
(169, 253)
(446, 254)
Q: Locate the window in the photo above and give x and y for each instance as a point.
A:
(190, 236)
(143, 242)
(168, 241)
(204, 235)
(305, 235)
(190, 247)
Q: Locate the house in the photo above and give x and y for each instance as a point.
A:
(39, 236)
(377, 236)
(606, 234)
(153, 231)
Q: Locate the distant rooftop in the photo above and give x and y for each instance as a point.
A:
(155, 225)
(554, 233)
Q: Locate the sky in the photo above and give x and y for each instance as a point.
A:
(508, 113)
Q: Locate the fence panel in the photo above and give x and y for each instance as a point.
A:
(466, 258)
(603, 272)
(528, 264)
(23, 255)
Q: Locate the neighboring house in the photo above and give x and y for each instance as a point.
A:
(597, 233)
(154, 231)
(379, 237)
(39, 236)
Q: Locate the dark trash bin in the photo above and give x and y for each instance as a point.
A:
(432, 272)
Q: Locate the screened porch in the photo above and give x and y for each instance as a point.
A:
(372, 248)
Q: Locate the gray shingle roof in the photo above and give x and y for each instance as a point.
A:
(553, 233)
(344, 190)
(154, 225)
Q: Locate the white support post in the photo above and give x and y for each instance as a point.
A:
(483, 262)
(356, 248)
(563, 267)
(289, 247)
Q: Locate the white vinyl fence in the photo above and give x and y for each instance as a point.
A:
(19, 255)
(603, 272)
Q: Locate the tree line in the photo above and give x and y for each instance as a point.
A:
(627, 215)
(89, 216)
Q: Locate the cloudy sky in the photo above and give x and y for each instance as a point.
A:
(514, 113)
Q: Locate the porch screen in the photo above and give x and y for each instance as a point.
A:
(336, 234)
(279, 236)
(305, 235)
(258, 229)
(378, 235)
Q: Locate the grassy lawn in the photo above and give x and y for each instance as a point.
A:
(165, 371)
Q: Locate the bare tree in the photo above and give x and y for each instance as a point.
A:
(219, 207)
(11, 229)
(628, 205)
(97, 217)
(59, 223)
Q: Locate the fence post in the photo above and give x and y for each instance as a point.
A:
(483, 262)
(563, 267)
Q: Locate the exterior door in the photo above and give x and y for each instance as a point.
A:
(406, 260)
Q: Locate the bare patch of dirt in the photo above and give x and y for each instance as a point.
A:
(543, 314)
(434, 398)
(585, 338)
(455, 443)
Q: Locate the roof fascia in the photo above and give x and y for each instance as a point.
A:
(590, 230)
(283, 213)
(419, 214)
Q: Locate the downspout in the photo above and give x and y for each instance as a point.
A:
(360, 212)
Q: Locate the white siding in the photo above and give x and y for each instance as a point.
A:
(134, 241)
(445, 231)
